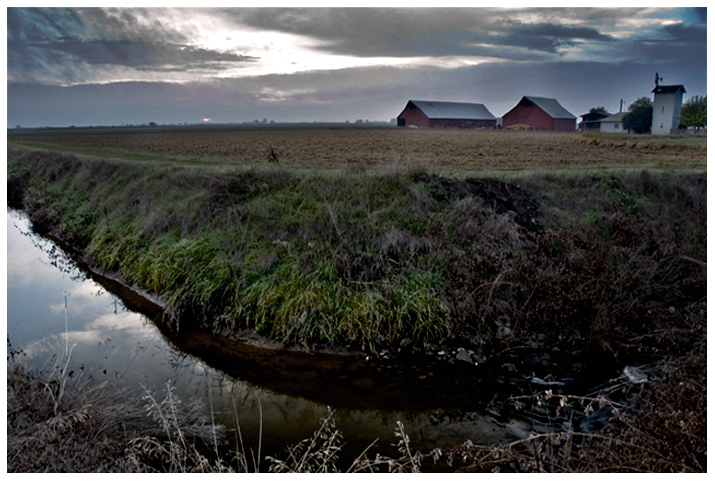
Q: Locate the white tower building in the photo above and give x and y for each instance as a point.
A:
(667, 102)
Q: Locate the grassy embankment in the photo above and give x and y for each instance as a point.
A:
(384, 260)
(614, 261)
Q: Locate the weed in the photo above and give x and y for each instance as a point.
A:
(317, 454)
(64, 421)
(273, 155)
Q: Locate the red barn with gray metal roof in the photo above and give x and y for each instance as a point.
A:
(539, 113)
(463, 115)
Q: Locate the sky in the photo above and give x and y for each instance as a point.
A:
(133, 65)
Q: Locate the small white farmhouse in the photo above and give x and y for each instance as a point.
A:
(667, 102)
(613, 124)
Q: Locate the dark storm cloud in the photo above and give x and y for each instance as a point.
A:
(30, 25)
(58, 45)
(136, 53)
(702, 13)
(671, 44)
(366, 31)
(545, 37)
(419, 32)
(145, 24)
(691, 34)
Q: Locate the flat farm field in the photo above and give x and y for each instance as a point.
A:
(363, 148)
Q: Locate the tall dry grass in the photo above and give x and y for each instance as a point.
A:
(61, 420)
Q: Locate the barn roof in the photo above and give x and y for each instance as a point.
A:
(453, 110)
(667, 89)
(550, 106)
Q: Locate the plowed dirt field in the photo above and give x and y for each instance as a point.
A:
(425, 147)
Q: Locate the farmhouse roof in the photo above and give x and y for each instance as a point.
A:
(667, 89)
(615, 117)
(551, 106)
(453, 110)
(595, 115)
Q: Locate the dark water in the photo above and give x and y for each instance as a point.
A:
(53, 308)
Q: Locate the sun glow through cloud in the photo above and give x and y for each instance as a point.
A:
(274, 52)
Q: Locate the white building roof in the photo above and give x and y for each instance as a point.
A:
(615, 117)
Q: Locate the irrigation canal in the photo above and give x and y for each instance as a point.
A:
(54, 307)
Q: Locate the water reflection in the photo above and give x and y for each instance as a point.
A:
(53, 307)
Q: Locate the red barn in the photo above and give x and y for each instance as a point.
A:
(463, 115)
(540, 113)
